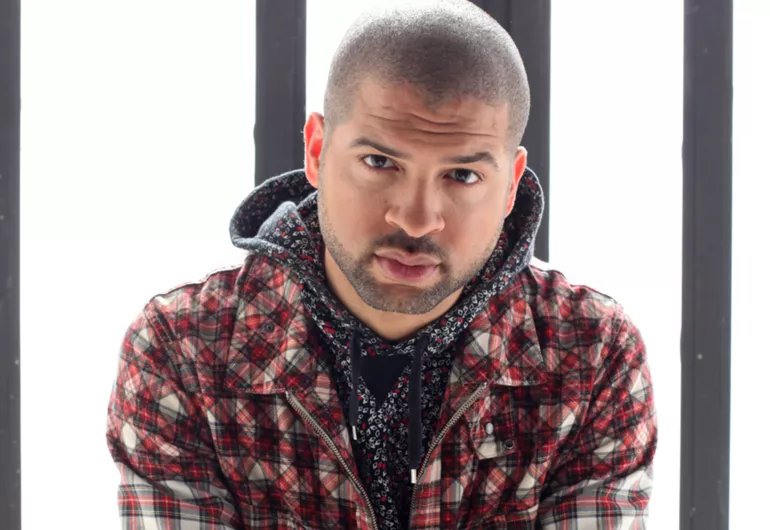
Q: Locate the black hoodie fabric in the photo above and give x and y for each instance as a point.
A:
(393, 407)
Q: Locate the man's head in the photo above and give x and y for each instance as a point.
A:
(417, 158)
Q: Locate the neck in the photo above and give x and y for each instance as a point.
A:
(388, 325)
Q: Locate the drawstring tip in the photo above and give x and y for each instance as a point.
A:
(414, 476)
(355, 436)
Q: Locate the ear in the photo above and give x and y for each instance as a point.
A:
(314, 139)
(519, 165)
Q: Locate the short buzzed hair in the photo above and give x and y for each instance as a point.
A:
(446, 49)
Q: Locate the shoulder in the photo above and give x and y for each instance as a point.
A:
(547, 287)
(190, 329)
(216, 292)
(201, 314)
(576, 324)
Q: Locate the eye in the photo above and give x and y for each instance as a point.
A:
(465, 176)
(378, 162)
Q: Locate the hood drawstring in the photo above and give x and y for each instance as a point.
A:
(355, 366)
(415, 408)
(415, 399)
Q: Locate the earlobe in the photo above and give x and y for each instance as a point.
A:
(314, 135)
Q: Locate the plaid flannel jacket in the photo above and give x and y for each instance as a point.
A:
(223, 415)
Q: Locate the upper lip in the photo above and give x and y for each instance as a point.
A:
(409, 261)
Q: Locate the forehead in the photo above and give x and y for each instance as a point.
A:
(400, 111)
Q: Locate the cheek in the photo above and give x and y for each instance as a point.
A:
(470, 231)
(355, 215)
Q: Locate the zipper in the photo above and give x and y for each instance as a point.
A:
(302, 411)
(437, 440)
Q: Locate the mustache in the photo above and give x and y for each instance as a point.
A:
(402, 241)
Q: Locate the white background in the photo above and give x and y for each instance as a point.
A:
(749, 433)
(137, 146)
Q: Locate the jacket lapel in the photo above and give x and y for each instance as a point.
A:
(271, 353)
(502, 348)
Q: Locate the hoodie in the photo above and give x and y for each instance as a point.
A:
(391, 391)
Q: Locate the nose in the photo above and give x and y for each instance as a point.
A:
(416, 211)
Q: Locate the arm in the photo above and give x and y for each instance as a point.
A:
(160, 442)
(604, 477)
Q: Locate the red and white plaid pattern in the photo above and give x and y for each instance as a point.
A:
(223, 415)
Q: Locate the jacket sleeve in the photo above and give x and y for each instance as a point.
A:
(603, 478)
(161, 444)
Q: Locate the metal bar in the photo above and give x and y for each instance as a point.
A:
(10, 108)
(280, 105)
(707, 256)
(529, 24)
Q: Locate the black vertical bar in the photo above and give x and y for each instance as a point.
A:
(529, 24)
(706, 271)
(10, 414)
(280, 106)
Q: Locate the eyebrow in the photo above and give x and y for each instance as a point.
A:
(480, 156)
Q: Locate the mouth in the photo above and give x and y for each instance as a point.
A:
(419, 260)
(419, 271)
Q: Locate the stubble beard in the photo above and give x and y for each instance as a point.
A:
(408, 300)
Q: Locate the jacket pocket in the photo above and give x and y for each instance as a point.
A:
(511, 449)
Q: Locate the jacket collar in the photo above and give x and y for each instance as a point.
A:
(502, 349)
(269, 351)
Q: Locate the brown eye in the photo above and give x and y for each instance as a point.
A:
(465, 176)
(378, 161)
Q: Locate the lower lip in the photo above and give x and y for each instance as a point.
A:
(405, 273)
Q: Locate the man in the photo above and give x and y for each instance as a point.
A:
(388, 356)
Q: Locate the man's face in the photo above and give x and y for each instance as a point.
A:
(412, 200)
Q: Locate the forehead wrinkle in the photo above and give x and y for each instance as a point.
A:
(402, 125)
(449, 118)
(401, 109)
(400, 113)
